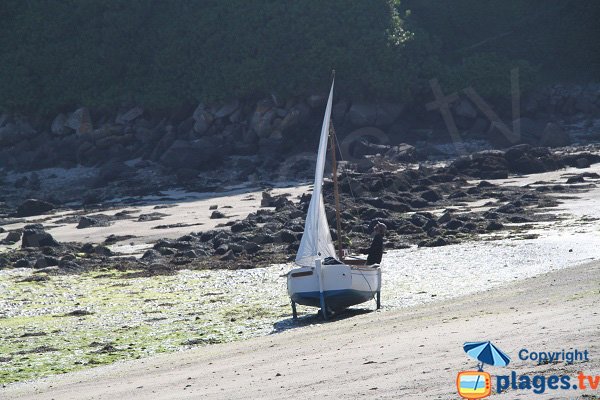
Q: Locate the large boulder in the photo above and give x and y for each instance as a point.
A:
(263, 117)
(203, 120)
(402, 153)
(58, 126)
(201, 154)
(80, 121)
(295, 117)
(227, 109)
(31, 207)
(488, 164)
(129, 116)
(35, 236)
(362, 114)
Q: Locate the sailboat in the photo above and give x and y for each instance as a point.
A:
(322, 280)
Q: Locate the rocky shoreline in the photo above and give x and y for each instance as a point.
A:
(424, 205)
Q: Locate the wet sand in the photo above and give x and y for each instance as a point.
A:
(410, 353)
(185, 212)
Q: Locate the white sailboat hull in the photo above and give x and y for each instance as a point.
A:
(342, 285)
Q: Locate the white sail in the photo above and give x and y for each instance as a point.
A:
(316, 241)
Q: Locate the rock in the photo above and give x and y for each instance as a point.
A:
(31, 207)
(40, 263)
(236, 247)
(576, 179)
(22, 263)
(80, 121)
(69, 265)
(509, 209)
(431, 195)
(262, 118)
(103, 251)
(418, 203)
(203, 120)
(364, 165)
(222, 249)
(188, 254)
(58, 126)
(153, 216)
(207, 236)
(87, 248)
(437, 242)
(445, 217)
(201, 154)
(458, 195)
(279, 202)
(251, 247)
(35, 236)
(387, 113)
(362, 114)
(520, 160)
(227, 109)
(402, 153)
(298, 115)
(287, 236)
(554, 136)
(86, 222)
(129, 116)
(489, 164)
(217, 215)
(485, 184)
(363, 147)
(519, 219)
(229, 256)
(240, 226)
(494, 226)
(453, 225)
(13, 237)
(419, 220)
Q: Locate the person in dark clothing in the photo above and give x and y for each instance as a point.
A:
(375, 252)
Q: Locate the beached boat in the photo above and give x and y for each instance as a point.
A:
(324, 279)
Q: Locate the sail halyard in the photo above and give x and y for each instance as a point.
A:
(316, 240)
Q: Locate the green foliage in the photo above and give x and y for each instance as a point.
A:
(161, 54)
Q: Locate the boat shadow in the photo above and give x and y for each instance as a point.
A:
(316, 319)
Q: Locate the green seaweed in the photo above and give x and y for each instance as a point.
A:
(73, 322)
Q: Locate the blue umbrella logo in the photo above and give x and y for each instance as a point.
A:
(486, 353)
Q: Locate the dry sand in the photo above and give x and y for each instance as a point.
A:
(412, 353)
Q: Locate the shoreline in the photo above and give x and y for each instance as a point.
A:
(383, 355)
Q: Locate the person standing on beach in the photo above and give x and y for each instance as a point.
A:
(375, 252)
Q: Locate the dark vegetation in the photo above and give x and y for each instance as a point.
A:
(105, 54)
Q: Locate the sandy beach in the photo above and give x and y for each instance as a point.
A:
(412, 353)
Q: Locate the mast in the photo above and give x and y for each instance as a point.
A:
(336, 192)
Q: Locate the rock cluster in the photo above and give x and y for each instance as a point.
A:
(205, 136)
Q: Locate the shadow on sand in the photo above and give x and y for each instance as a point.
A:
(316, 319)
